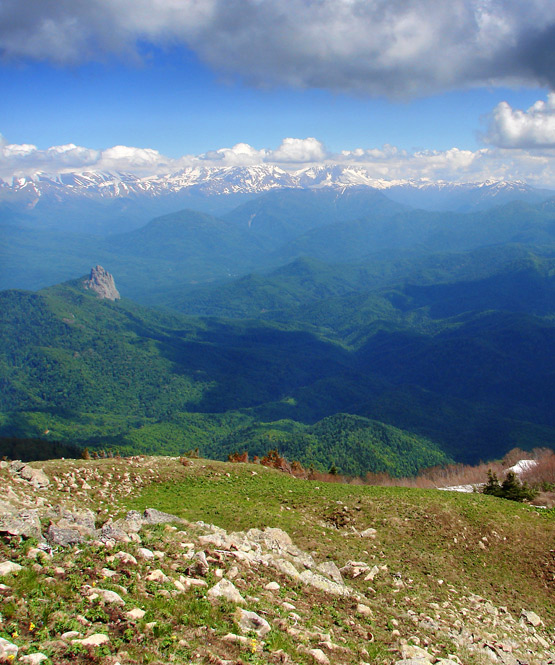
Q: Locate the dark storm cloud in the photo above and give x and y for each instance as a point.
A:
(396, 48)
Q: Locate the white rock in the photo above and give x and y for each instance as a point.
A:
(125, 557)
(135, 614)
(319, 656)
(33, 658)
(145, 553)
(272, 586)
(364, 610)
(7, 649)
(95, 640)
(109, 596)
(368, 533)
(70, 635)
(226, 589)
(157, 576)
(9, 567)
(531, 617)
(252, 622)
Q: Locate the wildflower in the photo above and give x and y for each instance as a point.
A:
(253, 645)
(11, 657)
(15, 633)
(32, 626)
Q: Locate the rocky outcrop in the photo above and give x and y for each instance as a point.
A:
(102, 283)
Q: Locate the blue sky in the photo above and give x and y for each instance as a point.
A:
(185, 77)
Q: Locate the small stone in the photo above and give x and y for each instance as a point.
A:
(236, 639)
(109, 596)
(272, 586)
(368, 533)
(135, 614)
(330, 569)
(157, 576)
(145, 553)
(319, 656)
(531, 618)
(226, 589)
(252, 622)
(33, 658)
(364, 610)
(126, 558)
(95, 640)
(9, 568)
(70, 635)
(7, 649)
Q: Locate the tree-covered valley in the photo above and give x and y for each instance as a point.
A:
(346, 331)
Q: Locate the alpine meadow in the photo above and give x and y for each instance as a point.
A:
(277, 332)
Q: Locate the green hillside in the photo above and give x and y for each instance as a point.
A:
(387, 380)
(111, 374)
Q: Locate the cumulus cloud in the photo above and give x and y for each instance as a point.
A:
(298, 151)
(27, 159)
(242, 154)
(514, 128)
(386, 163)
(384, 47)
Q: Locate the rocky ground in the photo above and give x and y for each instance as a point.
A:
(83, 583)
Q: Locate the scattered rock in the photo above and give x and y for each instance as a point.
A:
(226, 589)
(319, 656)
(33, 658)
(330, 569)
(354, 569)
(153, 516)
(251, 622)
(36, 477)
(95, 640)
(109, 596)
(9, 568)
(8, 650)
(157, 576)
(135, 614)
(531, 618)
(322, 583)
(24, 523)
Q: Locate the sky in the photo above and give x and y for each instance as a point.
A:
(422, 89)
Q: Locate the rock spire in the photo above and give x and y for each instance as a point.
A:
(102, 283)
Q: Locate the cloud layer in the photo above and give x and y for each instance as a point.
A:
(387, 163)
(394, 48)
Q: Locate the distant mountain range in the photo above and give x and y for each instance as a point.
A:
(98, 201)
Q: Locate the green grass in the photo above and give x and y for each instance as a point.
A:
(426, 535)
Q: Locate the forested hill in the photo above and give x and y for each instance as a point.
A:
(387, 380)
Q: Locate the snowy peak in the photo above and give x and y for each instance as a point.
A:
(215, 181)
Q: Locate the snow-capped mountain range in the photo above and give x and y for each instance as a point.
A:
(213, 181)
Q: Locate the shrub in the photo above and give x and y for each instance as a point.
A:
(511, 488)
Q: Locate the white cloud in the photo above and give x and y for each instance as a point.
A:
(386, 47)
(387, 163)
(514, 128)
(242, 154)
(298, 151)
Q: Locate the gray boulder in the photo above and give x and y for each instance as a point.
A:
(153, 516)
(24, 523)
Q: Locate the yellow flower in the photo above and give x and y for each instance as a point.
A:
(32, 626)
(15, 633)
(11, 657)
(253, 645)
